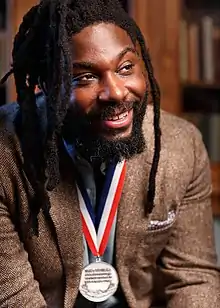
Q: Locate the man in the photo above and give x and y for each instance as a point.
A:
(105, 200)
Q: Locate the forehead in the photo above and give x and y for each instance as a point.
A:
(99, 41)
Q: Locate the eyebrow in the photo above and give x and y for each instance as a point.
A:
(90, 65)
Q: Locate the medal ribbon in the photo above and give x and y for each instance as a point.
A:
(97, 241)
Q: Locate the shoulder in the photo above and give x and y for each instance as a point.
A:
(9, 142)
(176, 132)
(181, 142)
(183, 139)
(10, 119)
(8, 116)
(10, 124)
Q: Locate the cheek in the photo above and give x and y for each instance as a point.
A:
(83, 98)
(137, 85)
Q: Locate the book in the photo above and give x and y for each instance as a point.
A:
(2, 57)
(216, 46)
(183, 49)
(207, 49)
(214, 137)
(193, 52)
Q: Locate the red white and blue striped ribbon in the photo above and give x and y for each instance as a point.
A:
(97, 240)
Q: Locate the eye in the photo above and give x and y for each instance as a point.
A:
(83, 79)
(126, 69)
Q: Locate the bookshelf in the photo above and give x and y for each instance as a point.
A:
(183, 37)
(199, 62)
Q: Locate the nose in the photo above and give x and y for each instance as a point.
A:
(113, 89)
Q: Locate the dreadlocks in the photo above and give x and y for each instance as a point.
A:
(41, 55)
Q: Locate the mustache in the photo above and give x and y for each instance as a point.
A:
(111, 109)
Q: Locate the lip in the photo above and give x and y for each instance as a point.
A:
(119, 121)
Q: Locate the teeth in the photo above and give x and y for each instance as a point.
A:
(119, 117)
(123, 115)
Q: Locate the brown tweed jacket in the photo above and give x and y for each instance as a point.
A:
(170, 253)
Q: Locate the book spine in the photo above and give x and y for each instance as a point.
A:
(214, 137)
(183, 48)
(207, 49)
(216, 46)
(193, 52)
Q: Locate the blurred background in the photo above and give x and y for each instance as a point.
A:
(183, 37)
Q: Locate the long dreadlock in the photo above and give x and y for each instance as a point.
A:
(41, 54)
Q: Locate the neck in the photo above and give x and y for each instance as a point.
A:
(95, 161)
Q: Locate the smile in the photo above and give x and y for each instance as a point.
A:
(119, 121)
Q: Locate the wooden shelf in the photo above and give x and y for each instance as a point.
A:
(201, 84)
(197, 98)
(202, 5)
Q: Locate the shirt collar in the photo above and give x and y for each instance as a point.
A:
(71, 150)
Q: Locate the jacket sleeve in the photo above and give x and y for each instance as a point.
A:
(17, 285)
(189, 258)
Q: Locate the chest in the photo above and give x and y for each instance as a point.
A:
(139, 238)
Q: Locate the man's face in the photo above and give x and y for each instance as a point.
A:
(109, 92)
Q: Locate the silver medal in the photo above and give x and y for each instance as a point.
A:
(99, 281)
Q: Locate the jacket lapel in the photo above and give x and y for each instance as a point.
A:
(131, 214)
(65, 214)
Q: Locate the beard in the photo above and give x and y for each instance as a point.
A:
(94, 147)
